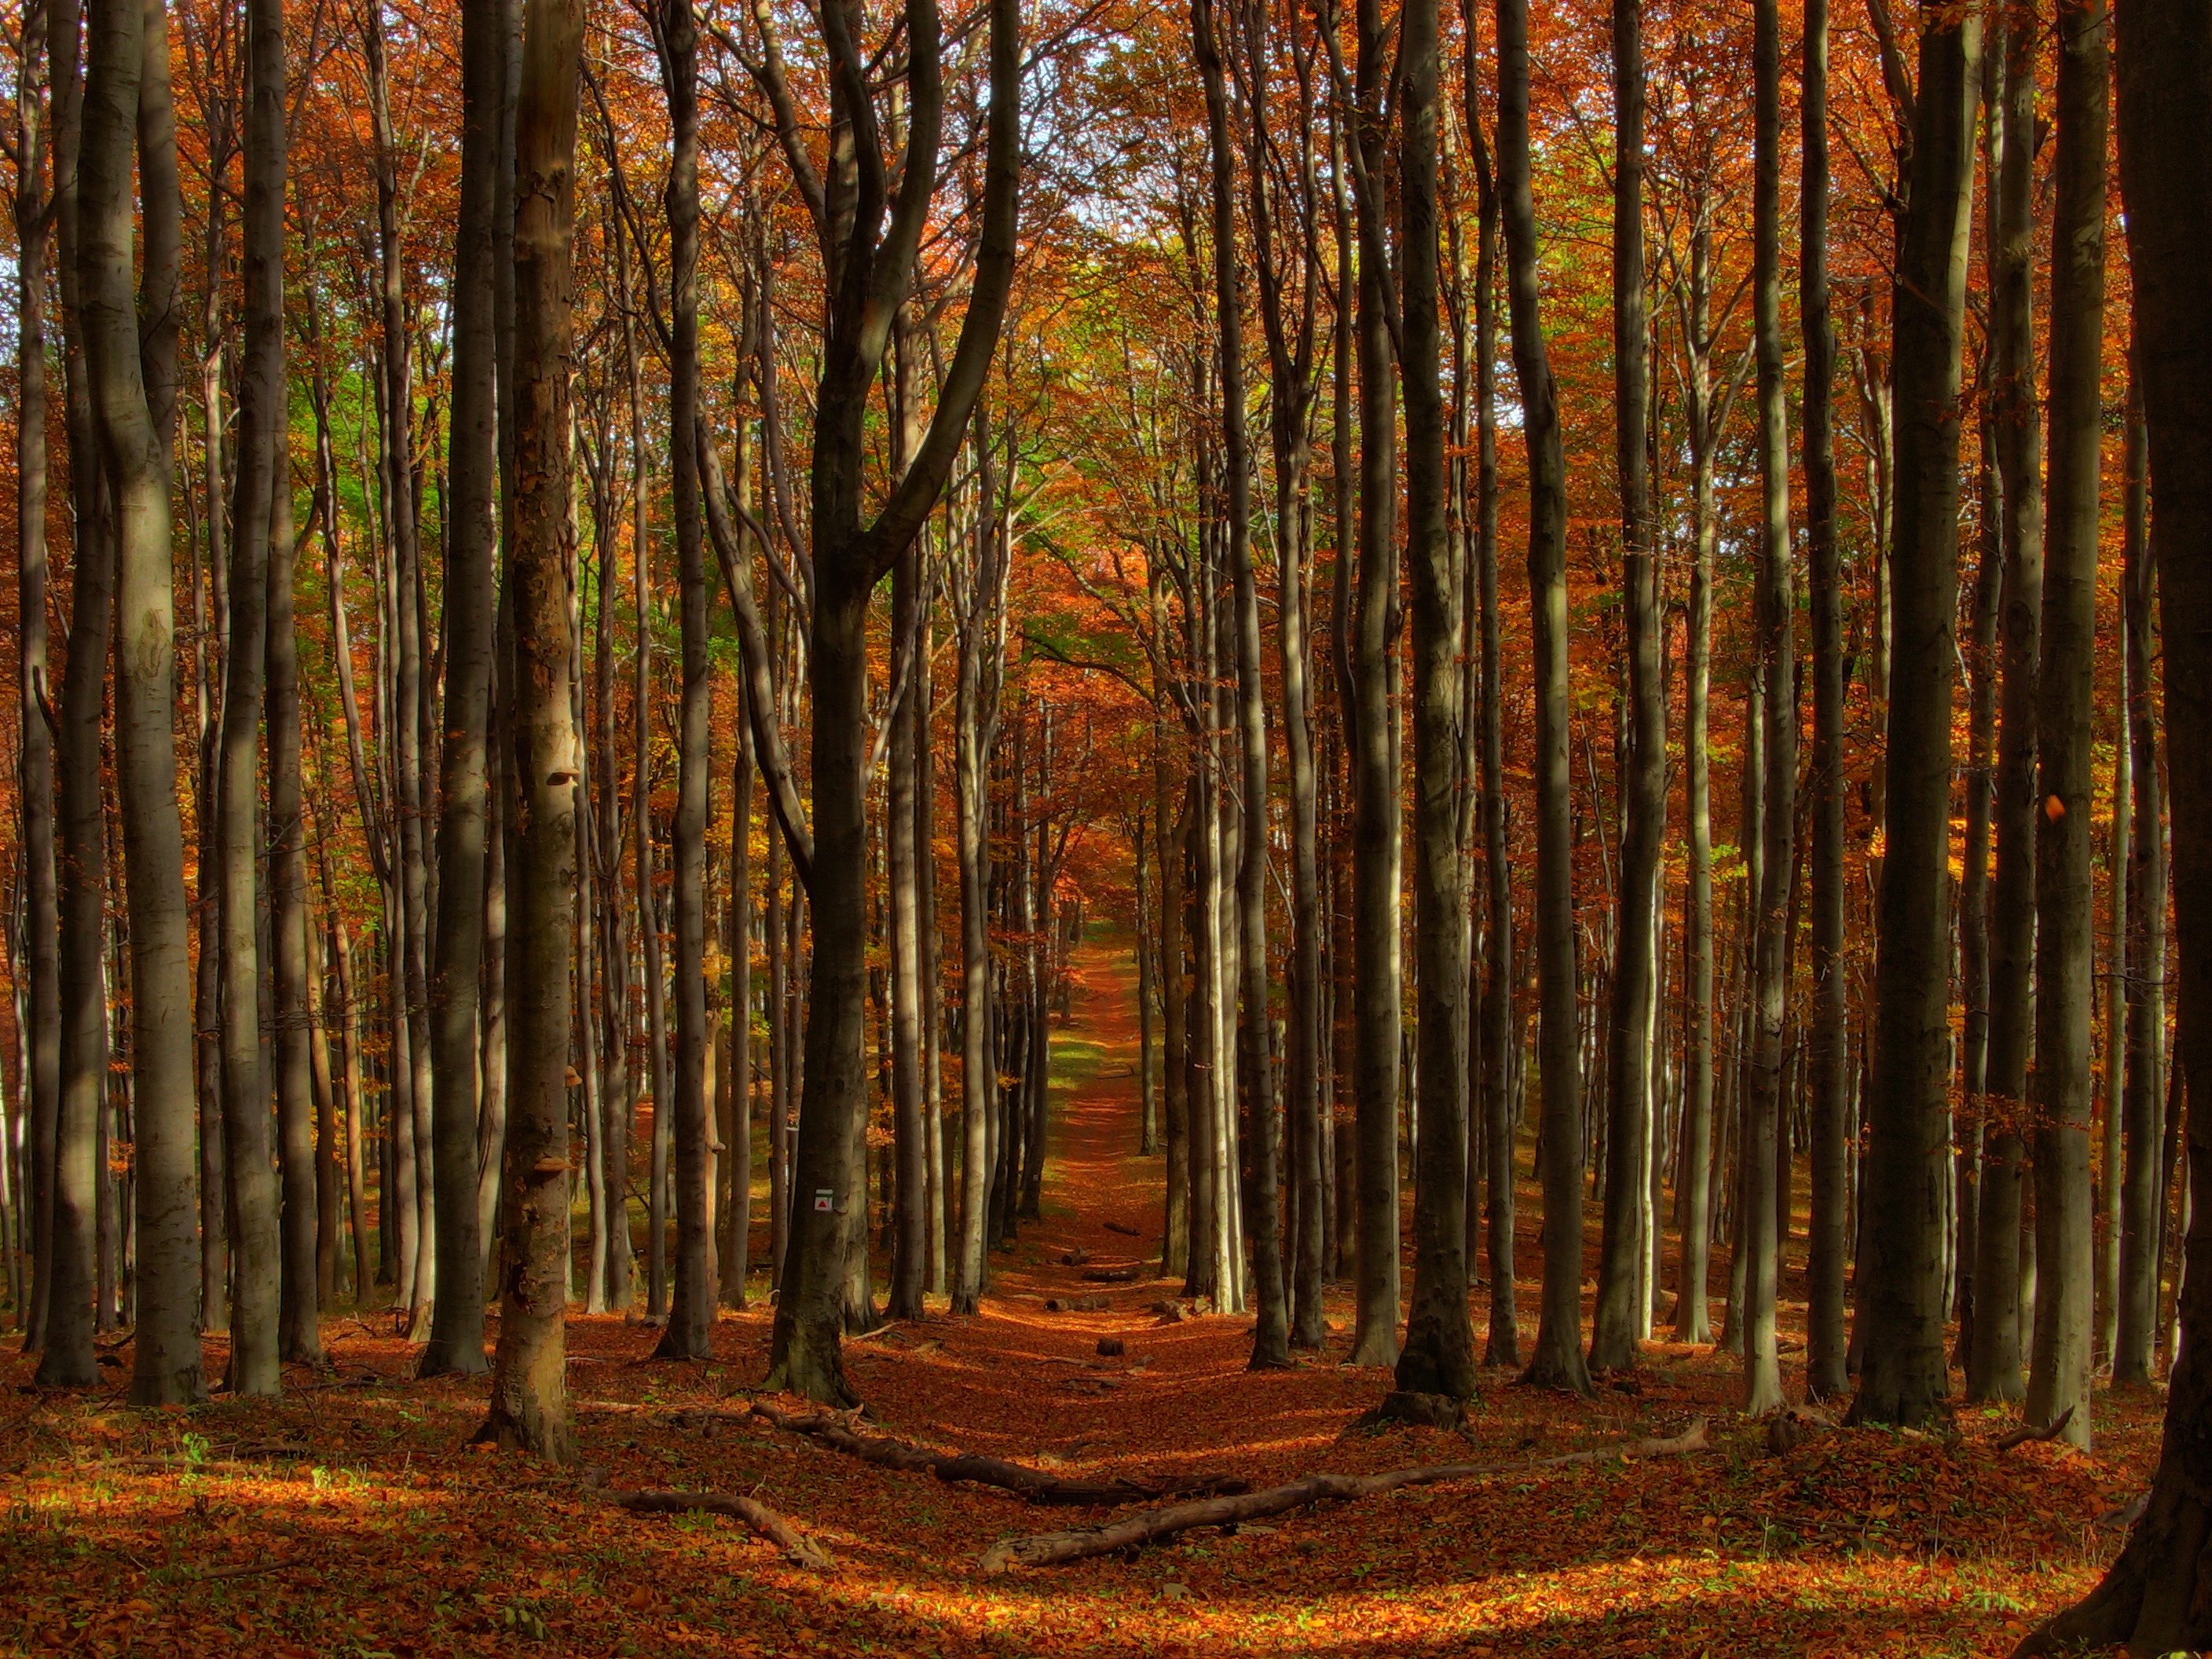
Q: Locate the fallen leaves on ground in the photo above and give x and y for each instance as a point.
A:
(351, 1517)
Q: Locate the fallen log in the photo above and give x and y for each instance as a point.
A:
(1046, 1549)
(799, 1549)
(1076, 1305)
(2027, 1434)
(1074, 1258)
(1034, 1485)
(1112, 1275)
(1126, 1232)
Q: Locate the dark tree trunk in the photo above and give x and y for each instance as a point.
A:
(1377, 839)
(1993, 1364)
(2143, 1209)
(1908, 1108)
(1622, 1315)
(1558, 1357)
(2152, 1598)
(1438, 1357)
(464, 798)
(2065, 964)
(1826, 1055)
(529, 1390)
(691, 1314)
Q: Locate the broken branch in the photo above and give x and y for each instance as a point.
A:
(799, 1549)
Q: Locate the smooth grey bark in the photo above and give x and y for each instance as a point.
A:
(2143, 1130)
(131, 376)
(39, 956)
(255, 1289)
(691, 1312)
(2065, 964)
(1904, 1376)
(299, 1330)
(1438, 1355)
(1993, 1364)
(2151, 1599)
(1620, 1316)
(1826, 1053)
(902, 855)
(66, 1357)
(1558, 1361)
(1377, 811)
(417, 1289)
(1777, 636)
(529, 1388)
(471, 541)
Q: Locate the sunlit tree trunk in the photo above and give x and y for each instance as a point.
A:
(529, 1391)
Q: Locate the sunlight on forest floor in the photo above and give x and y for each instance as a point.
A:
(351, 1519)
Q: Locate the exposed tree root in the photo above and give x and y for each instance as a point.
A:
(2027, 1434)
(799, 1549)
(1150, 1526)
(835, 1431)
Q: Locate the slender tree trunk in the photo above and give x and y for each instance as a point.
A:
(465, 798)
(1377, 810)
(40, 1047)
(1764, 1101)
(2142, 1207)
(1826, 1055)
(1901, 1279)
(529, 1391)
(2065, 965)
(1558, 1357)
(1438, 1357)
(691, 1315)
(132, 392)
(1621, 1312)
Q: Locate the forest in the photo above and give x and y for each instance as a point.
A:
(1383, 789)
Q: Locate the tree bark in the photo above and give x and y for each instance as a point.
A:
(529, 1390)
(1438, 1357)
(1993, 1367)
(464, 797)
(1621, 1314)
(1907, 1167)
(2065, 965)
(1557, 1362)
(2143, 1209)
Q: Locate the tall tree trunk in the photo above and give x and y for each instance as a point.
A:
(261, 426)
(1558, 1357)
(40, 1046)
(1438, 1357)
(903, 854)
(299, 1332)
(691, 1315)
(464, 798)
(133, 385)
(2142, 1207)
(2151, 1598)
(1907, 1169)
(2065, 964)
(529, 1390)
(1993, 1365)
(1621, 1312)
(1377, 810)
(1764, 1102)
(401, 488)
(1826, 1055)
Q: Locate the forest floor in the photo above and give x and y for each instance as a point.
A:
(352, 1518)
